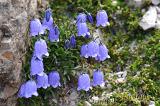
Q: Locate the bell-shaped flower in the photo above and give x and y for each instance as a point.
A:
(37, 67)
(83, 29)
(84, 51)
(54, 34)
(42, 81)
(98, 78)
(36, 27)
(40, 49)
(90, 18)
(48, 20)
(72, 41)
(81, 18)
(102, 18)
(54, 79)
(103, 53)
(93, 49)
(84, 82)
(28, 89)
(67, 44)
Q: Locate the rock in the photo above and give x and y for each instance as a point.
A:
(152, 103)
(86, 103)
(155, 2)
(158, 22)
(135, 3)
(14, 22)
(149, 19)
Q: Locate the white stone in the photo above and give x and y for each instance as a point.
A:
(152, 103)
(86, 103)
(149, 19)
(158, 22)
(155, 2)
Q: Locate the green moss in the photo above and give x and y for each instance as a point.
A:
(130, 48)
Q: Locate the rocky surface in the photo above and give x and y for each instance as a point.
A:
(14, 21)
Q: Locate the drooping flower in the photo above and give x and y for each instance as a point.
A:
(54, 34)
(36, 66)
(84, 82)
(84, 51)
(83, 29)
(90, 18)
(93, 49)
(40, 49)
(48, 14)
(102, 18)
(72, 41)
(67, 44)
(36, 27)
(54, 79)
(28, 89)
(81, 18)
(42, 81)
(48, 20)
(98, 78)
(103, 53)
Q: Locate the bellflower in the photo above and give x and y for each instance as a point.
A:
(28, 89)
(98, 78)
(36, 66)
(42, 81)
(48, 20)
(72, 41)
(102, 18)
(84, 51)
(67, 44)
(81, 18)
(90, 18)
(54, 79)
(40, 49)
(54, 34)
(83, 82)
(36, 27)
(93, 49)
(103, 53)
(83, 29)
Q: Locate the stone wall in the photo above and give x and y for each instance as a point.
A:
(14, 22)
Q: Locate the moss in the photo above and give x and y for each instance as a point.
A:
(130, 48)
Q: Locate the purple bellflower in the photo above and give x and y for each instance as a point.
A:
(54, 79)
(98, 78)
(54, 34)
(81, 18)
(102, 18)
(90, 18)
(42, 81)
(93, 49)
(48, 20)
(72, 41)
(28, 89)
(84, 50)
(83, 29)
(67, 44)
(36, 27)
(84, 82)
(40, 49)
(36, 66)
(48, 14)
(103, 53)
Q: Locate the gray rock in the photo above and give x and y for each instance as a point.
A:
(14, 22)
(86, 103)
(155, 2)
(149, 19)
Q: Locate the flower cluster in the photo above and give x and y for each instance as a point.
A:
(84, 82)
(94, 50)
(39, 79)
(70, 43)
